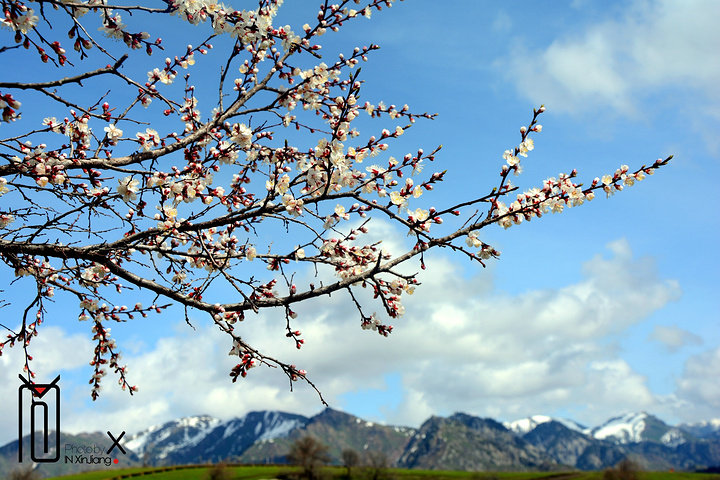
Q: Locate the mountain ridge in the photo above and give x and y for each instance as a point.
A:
(457, 442)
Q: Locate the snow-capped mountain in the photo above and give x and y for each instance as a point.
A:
(210, 439)
(573, 447)
(636, 428)
(655, 444)
(630, 428)
(627, 428)
(525, 425)
(180, 433)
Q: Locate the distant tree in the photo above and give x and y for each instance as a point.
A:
(218, 471)
(377, 465)
(125, 184)
(350, 458)
(310, 454)
(626, 469)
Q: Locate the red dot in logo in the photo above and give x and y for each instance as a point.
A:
(116, 460)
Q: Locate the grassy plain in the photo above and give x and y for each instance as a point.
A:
(261, 472)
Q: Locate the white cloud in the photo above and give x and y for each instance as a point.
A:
(655, 45)
(698, 388)
(460, 347)
(674, 338)
(612, 386)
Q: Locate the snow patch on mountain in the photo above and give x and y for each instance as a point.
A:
(526, 425)
(627, 428)
(191, 430)
(231, 427)
(191, 437)
(281, 430)
(673, 438)
(278, 427)
(139, 441)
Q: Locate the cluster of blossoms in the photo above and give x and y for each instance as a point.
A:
(293, 206)
(113, 134)
(19, 18)
(112, 27)
(371, 323)
(390, 293)
(77, 130)
(106, 345)
(148, 139)
(96, 274)
(351, 260)
(486, 251)
(128, 188)
(247, 362)
(43, 166)
(553, 197)
(623, 177)
(558, 193)
(9, 107)
(6, 219)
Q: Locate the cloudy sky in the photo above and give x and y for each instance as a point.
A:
(607, 308)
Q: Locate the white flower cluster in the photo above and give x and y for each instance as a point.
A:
(561, 192)
(95, 274)
(248, 26)
(622, 177)
(525, 146)
(45, 167)
(112, 26)
(128, 188)
(6, 219)
(113, 134)
(20, 23)
(349, 260)
(371, 323)
(149, 139)
(293, 206)
(486, 251)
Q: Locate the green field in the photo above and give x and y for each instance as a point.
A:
(247, 472)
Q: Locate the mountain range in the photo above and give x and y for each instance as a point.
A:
(457, 442)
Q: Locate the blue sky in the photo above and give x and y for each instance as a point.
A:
(606, 308)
